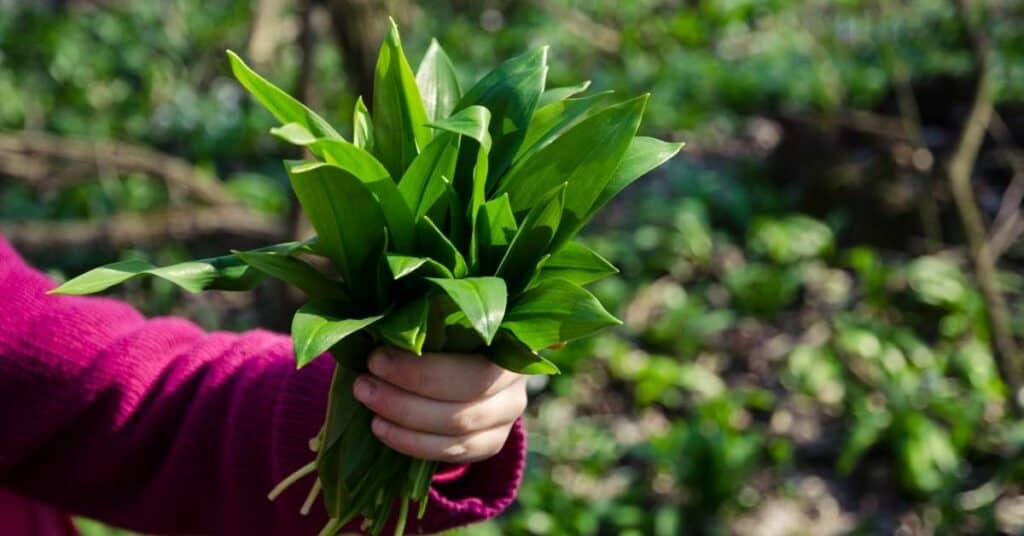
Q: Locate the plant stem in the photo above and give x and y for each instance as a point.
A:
(403, 514)
(307, 469)
(330, 528)
(313, 493)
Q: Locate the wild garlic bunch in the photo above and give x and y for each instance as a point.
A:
(447, 224)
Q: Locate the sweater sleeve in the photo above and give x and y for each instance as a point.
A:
(159, 427)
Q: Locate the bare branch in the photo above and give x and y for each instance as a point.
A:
(137, 229)
(17, 147)
(958, 170)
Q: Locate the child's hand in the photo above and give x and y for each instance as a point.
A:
(446, 407)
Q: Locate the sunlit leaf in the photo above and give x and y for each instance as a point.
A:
(555, 311)
(399, 119)
(438, 83)
(577, 263)
(281, 105)
(510, 92)
(482, 299)
(317, 327)
(218, 273)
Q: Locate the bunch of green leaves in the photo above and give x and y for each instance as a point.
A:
(445, 223)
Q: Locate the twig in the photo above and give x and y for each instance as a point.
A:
(135, 229)
(1007, 226)
(120, 156)
(958, 169)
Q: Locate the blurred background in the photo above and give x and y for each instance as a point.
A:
(822, 295)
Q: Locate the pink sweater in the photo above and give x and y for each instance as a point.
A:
(159, 427)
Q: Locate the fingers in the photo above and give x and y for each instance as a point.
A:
(463, 449)
(416, 413)
(450, 377)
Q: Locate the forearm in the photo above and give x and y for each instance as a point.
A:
(158, 426)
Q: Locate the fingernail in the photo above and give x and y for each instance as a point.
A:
(380, 363)
(379, 426)
(455, 450)
(364, 389)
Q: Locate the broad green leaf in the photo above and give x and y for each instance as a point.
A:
(532, 239)
(431, 242)
(294, 134)
(399, 119)
(586, 157)
(511, 354)
(294, 272)
(369, 170)
(366, 168)
(495, 228)
(577, 263)
(555, 311)
(471, 122)
(281, 105)
(347, 217)
(482, 299)
(643, 155)
(218, 273)
(510, 92)
(317, 326)
(556, 94)
(553, 120)
(362, 126)
(406, 327)
(438, 83)
(422, 185)
(405, 265)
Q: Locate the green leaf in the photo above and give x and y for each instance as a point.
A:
(585, 157)
(362, 126)
(405, 265)
(510, 92)
(556, 94)
(317, 327)
(399, 119)
(555, 119)
(495, 229)
(577, 263)
(556, 311)
(347, 217)
(280, 104)
(369, 170)
(438, 83)
(294, 134)
(482, 299)
(868, 426)
(218, 273)
(423, 184)
(406, 327)
(643, 155)
(532, 239)
(511, 354)
(471, 122)
(432, 243)
(294, 272)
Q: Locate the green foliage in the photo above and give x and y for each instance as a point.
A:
(371, 209)
(887, 352)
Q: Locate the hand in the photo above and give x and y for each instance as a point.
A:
(446, 407)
